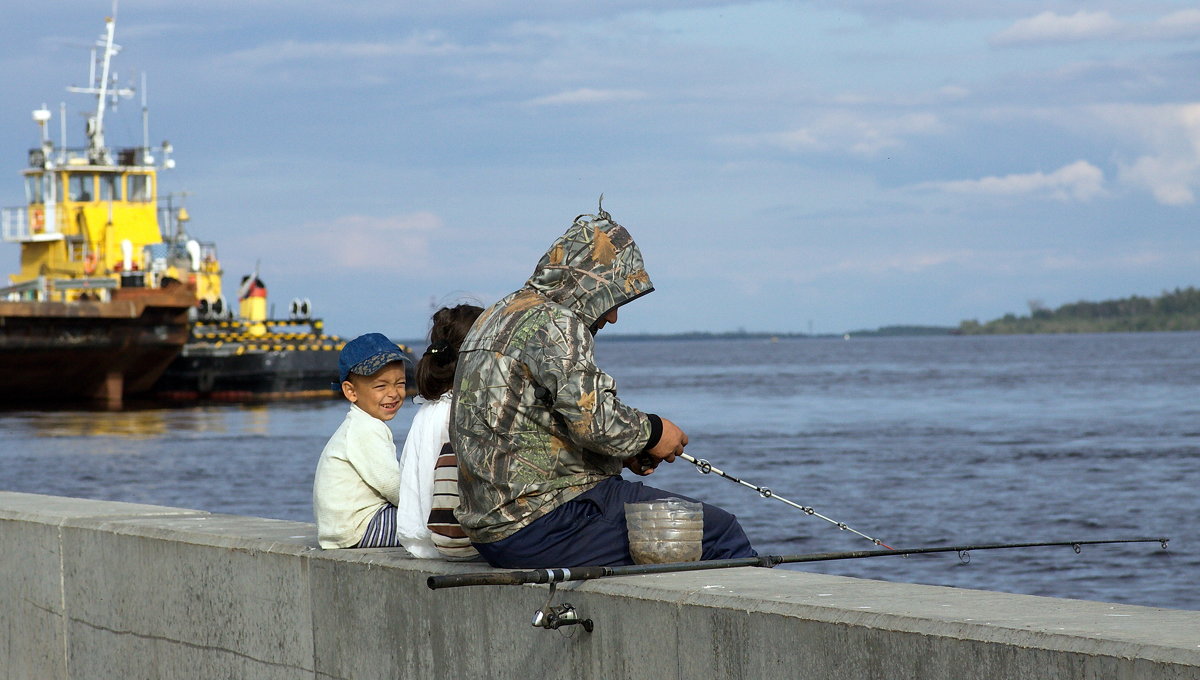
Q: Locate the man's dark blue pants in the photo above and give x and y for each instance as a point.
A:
(589, 530)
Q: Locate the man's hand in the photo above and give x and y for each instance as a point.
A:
(669, 445)
(641, 464)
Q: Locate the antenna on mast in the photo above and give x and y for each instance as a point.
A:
(145, 123)
(101, 86)
(62, 128)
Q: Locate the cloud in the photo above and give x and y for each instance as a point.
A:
(1170, 180)
(587, 95)
(369, 245)
(426, 43)
(1107, 260)
(906, 263)
(822, 267)
(1079, 181)
(1170, 167)
(844, 131)
(920, 262)
(1049, 27)
(1155, 148)
(1021, 261)
(1181, 24)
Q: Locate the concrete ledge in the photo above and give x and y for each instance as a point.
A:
(95, 589)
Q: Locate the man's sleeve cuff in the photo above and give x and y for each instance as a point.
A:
(655, 431)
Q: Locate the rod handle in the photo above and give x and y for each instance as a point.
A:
(499, 578)
(516, 578)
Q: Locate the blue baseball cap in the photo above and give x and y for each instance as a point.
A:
(368, 353)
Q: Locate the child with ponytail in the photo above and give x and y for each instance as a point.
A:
(425, 523)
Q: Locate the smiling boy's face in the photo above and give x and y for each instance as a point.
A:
(381, 395)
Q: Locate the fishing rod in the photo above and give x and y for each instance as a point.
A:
(553, 576)
(706, 467)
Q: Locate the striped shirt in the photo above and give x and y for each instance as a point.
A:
(447, 534)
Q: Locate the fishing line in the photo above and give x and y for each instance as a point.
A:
(706, 467)
(552, 576)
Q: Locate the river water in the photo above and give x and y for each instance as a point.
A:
(919, 441)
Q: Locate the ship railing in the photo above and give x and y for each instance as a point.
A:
(15, 226)
(313, 326)
(43, 288)
(78, 156)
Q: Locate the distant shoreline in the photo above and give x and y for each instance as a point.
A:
(1177, 310)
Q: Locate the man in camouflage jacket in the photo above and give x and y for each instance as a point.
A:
(540, 434)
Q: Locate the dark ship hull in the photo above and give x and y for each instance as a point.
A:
(91, 350)
(251, 375)
(224, 363)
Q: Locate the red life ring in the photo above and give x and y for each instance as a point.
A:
(89, 263)
(37, 217)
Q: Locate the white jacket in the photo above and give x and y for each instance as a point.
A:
(429, 432)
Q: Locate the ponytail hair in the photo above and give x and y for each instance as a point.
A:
(435, 370)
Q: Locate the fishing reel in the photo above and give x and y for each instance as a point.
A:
(555, 617)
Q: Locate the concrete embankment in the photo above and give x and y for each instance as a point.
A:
(94, 589)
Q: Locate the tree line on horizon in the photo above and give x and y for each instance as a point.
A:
(1177, 310)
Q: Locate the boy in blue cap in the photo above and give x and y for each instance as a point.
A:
(357, 484)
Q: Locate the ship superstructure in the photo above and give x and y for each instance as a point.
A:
(100, 299)
(114, 297)
(91, 222)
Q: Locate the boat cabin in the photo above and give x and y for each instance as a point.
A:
(93, 216)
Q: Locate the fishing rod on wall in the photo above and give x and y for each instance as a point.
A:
(556, 616)
(513, 578)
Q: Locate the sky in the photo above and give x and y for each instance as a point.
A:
(807, 166)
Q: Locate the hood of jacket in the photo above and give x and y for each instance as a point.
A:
(593, 268)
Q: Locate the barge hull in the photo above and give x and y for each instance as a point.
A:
(99, 351)
(251, 375)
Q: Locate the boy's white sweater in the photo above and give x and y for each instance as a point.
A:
(356, 476)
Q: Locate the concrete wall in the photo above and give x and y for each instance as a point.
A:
(92, 589)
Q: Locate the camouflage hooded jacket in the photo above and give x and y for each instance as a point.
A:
(534, 421)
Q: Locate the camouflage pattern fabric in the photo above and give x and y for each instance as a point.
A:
(534, 421)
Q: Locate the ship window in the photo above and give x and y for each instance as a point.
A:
(140, 188)
(33, 188)
(80, 187)
(108, 188)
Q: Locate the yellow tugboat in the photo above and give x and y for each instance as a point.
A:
(100, 305)
(108, 304)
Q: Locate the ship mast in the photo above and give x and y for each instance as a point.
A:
(97, 150)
